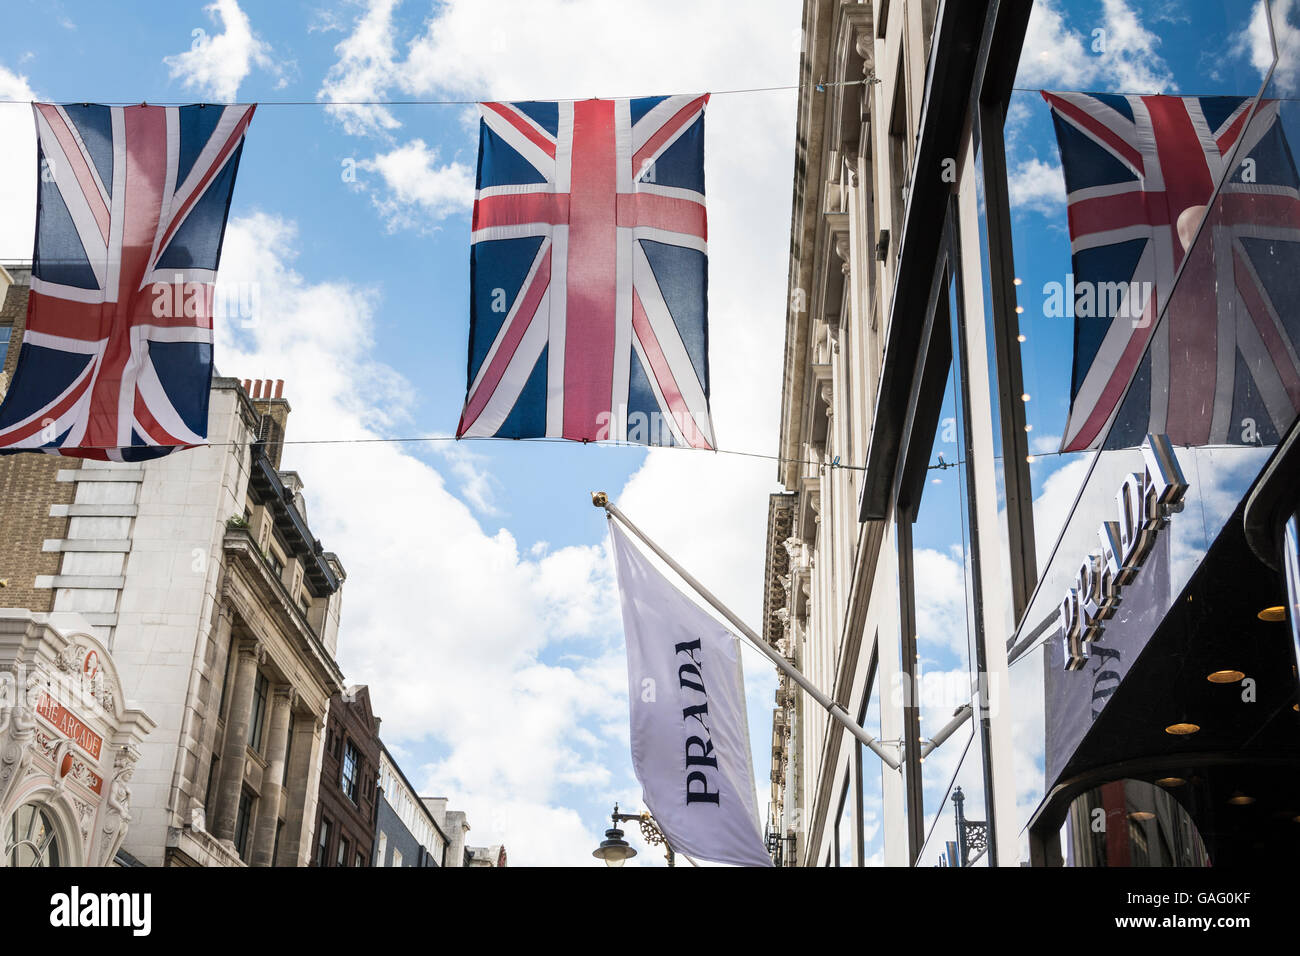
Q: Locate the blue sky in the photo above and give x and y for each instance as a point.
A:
(480, 604)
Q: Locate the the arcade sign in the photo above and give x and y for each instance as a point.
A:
(1144, 503)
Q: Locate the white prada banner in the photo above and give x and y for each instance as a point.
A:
(690, 735)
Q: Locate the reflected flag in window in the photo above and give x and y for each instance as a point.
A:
(1140, 173)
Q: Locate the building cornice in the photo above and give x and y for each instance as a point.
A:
(269, 595)
(827, 119)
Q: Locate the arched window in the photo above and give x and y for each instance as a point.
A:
(31, 839)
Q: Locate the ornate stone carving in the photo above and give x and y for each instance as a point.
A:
(85, 817)
(17, 732)
(117, 805)
(851, 165)
(797, 548)
(842, 250)
(286, 695)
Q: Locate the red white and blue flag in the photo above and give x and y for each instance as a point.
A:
(1140, 173)
(589, 273)
(116, 359)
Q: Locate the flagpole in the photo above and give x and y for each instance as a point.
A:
(601, 500)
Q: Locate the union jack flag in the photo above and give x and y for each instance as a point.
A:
(116, 359)
(589, 273)
(1140, 172)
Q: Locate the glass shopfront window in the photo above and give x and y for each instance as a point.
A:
(940, 566)
(1200, 348)
(870, 772)
(940, 588)
(1132, 823)
(1075, 319)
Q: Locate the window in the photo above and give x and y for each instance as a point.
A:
(275, 851)
(361, 860)
(323, 844)
(231, 655)
(5, 332)
(899, 161)
(288, 752)
(212, 785)
(32, 839)
(842, 850)
(243, 824)
(397, 857)
(382, 858)
(343, 852)
(351, 771)
(260, 690)
(277, 565)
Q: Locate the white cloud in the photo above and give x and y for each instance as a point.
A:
(17, 167)
(216, 65)
(478, 485)
(418, 190)
(1034, 184)
(709, 511)
(444, 618)
(1119, 54)
(364, 72)
(1254, 42)
(1045, 444)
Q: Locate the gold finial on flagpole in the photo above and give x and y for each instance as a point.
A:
(599, 499)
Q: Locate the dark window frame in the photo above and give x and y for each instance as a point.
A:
(944, 344)
(244, 823)
(323, 842)
(350, 783)
(257, 718)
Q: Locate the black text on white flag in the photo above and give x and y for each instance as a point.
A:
(690, 736)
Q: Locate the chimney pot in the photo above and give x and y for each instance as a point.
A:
(248, 387)
(279, 388)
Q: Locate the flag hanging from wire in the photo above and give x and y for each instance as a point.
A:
(589, 273)
(116, 357)
(690, 733)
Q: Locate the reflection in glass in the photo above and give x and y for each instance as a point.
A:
(1132, 823)
(871, 787)
(32, 839)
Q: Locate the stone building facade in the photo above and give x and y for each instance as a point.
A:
(347, 808)
(406, 832)
(37, 505)
(881, 409)
(69, 744)
(200, 574)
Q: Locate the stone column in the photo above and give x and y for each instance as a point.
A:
(296, 844)
(211, 709)
(236, 744)
(277, 744)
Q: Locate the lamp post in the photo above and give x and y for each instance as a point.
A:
(616, 851)
(971, 834)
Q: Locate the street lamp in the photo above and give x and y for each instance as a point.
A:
(616, 851)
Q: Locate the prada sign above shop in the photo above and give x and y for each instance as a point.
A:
(1143, 504)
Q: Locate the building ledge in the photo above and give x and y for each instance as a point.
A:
(97, 581)
(114, 545)
(201, 848)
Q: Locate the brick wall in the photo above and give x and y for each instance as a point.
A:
(27, 490)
